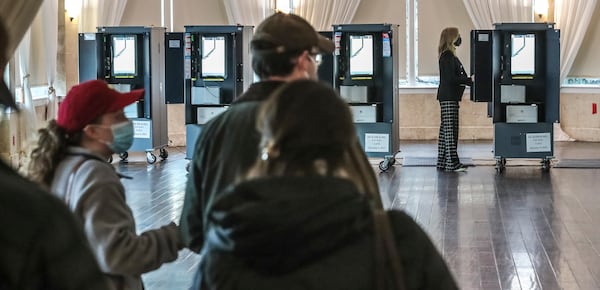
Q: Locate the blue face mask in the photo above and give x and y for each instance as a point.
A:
(122, 137)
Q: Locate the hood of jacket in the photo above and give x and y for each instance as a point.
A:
(278, 224)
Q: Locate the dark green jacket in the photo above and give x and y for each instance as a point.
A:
(41, 244)
(307, 233)
(226, 148)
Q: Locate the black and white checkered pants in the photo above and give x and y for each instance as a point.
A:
(448, 138)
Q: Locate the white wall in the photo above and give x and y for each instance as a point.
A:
(434, 16)
(186, 12)
(141, 13)
(386, 11)
(204, 12)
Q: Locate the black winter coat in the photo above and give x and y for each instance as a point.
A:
(307, 233)
(453, 78)
(41, 244)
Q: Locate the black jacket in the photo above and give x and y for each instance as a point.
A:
(41, 244)
(453, 78)
(307, 233)
(216, 164)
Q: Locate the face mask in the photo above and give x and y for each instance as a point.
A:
(458, 41)
(122, 137)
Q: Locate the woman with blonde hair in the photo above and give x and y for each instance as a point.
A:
(300, 219)
(453, 80)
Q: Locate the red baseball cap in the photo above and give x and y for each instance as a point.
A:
(89, 100)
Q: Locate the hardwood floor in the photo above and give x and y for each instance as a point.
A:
(523, 229)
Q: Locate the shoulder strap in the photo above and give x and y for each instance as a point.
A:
(386, 254)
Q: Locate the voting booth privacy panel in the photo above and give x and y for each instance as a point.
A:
(129, 58)
(325, 71)
(517, 71)
(365, 72)
(217, 69)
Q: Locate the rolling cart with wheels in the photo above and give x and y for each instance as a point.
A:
(150, 156)
(534, 140)
(365, 73)
(501, 163)
(130, 58)
(516, 68)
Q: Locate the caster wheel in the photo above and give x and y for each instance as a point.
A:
(388, 161)
(384, 166)
(500, 165)
(163, 153)
(392, 161)
(500, 169)
(124, 156)
(546, 165)
(150, 158)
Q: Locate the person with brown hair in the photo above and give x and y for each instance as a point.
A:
(453, 80)
(41, 244)
(301, 218)
(71, 160)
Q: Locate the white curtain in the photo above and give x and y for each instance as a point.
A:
(50, 31)
(322, 14)
(17, 17)
(572, 18)
(96, 13)
(248, 12)
(484, 13)
(27, 117)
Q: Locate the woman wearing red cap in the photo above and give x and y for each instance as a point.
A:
(70, 160)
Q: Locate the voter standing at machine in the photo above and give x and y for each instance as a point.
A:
(71, 160)
(453, 80)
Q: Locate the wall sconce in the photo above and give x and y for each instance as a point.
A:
(72, 8)
(541, 8)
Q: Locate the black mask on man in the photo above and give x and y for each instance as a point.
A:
(458, 41)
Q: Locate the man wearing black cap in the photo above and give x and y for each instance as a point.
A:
(41, 244)
(285, 47)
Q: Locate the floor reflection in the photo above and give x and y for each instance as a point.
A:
(524, 229)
